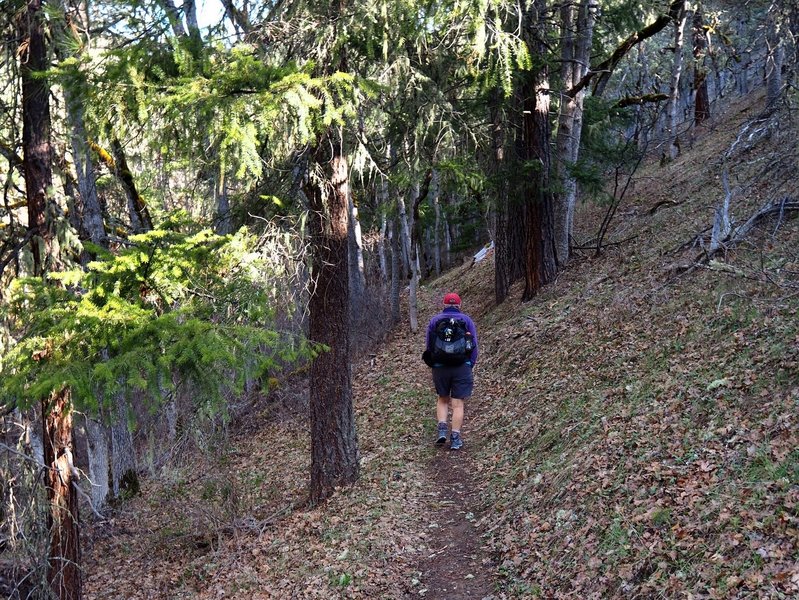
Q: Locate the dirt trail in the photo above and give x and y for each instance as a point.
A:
(457, 566)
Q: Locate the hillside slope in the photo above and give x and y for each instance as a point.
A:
(633, 434)
(641, 425)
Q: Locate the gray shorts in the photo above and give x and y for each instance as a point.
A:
(454, 382)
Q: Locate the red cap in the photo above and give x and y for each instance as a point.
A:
(452, 298)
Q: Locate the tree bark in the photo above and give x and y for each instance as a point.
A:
(356, 265)
(775, 57)
(383, 245)
(97, 442)
(540, 263)
(413, 257)
(702, 99)
(575, 54)
(37, 150)
(418, 195)
(504, 272)
(437, 227)
(674, 89)
(63, 573)
(405, 235)
(394, 238)
(334, 444)
(140, 220)
(382, 241)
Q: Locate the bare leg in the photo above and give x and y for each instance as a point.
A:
(457, 414)
(442, 408)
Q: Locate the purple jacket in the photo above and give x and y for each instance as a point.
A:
(448, 312)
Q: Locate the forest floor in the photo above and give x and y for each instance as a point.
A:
(633, 432)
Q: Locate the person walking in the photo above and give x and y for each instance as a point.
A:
(451, 352)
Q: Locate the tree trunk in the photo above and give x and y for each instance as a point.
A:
(503, 259)
(97, 442)
(775, 57)
(224, 220)
(395, 269)
(540, 264)
(413, 254)
(124, 476)
(383, 241)
(674, 90)
(702, 99)
(63, 574)
(356, 266)
(138, 213)
(575, 54)
(405, 235)
(437, 230)
(334, 444)
(37, 150)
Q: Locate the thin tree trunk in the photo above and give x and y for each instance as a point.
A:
(394, 238)
(419, 194)
(775, 57)
(565, 138)
(437, 230)
(224, 220)
(503, 260)
(382, 241)
(575, 54)
(124, 476)
(334, 443)
(140, 220)
(356, 266)
(674, 91)
(413, 256)
(702, 100)
(405, 234)
(91, 215)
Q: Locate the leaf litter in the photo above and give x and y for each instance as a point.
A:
(633, 434)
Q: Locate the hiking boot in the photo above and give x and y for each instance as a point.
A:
(441, 436)
(455, 441)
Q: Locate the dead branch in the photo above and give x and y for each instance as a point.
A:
(16, 248)
(662, 203)
(777, 207)
(605, 69)
(639, 100)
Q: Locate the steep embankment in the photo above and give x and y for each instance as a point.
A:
(641, 429)
(633, 433)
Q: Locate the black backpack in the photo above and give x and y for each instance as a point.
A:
(452, 343)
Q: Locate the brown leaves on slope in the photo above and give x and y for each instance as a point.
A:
(641, 435)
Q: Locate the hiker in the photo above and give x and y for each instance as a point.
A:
(451, 351)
